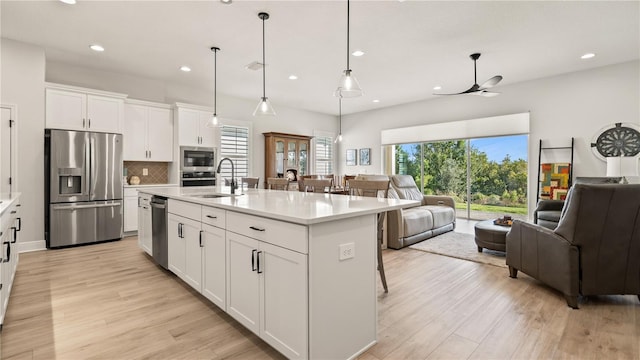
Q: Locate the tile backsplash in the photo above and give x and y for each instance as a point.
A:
(158, 171)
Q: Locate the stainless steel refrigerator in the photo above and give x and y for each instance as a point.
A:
(83, 187)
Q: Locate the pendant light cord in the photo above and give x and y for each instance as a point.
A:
(215, 81)
(348, 68)
(340, 133)
(475, 77)
(264, 64)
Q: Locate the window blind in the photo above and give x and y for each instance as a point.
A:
(234, 144)
(324, 155)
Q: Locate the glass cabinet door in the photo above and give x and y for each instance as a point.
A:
(303, 158)
(291, 154)
(280, 157)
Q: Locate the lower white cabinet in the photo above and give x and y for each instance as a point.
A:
(130, 213)
(214, 280)
(143, 221)
(267, 289)
(185, 254)
(10, 226)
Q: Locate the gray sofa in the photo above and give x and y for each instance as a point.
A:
(434, 216)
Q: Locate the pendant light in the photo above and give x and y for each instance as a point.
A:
(264, 107)
(213, 121)
(349, 86)
(339, 137)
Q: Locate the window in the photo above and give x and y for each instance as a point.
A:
(234, 144)
(324, 155)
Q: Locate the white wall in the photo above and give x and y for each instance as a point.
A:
(575, 105)
(288, 120)
(22, 81)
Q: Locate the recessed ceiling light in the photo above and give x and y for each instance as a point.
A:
(437, 87)
(587, 56)
(357, 53)
(96, 47)
(293, 77)
(376, 101)
(185, 68)
(70, 2)
(226, 1)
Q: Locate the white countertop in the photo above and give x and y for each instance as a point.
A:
(291, 206)
(6, 200)
(148, 185)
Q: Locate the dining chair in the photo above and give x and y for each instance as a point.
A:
(301, 179)
(374, 188)
(317, 185)
(346, 180)
(278, 184)
(252, 182)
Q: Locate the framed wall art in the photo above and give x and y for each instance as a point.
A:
(351, 157)
(365, 156)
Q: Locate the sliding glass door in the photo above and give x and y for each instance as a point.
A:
(486, 177)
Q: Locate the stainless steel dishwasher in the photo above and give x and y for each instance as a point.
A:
(159, 213)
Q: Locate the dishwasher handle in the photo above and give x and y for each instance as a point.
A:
(158, 205)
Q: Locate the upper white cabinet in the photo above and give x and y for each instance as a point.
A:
(191, 126)
(71, 108)
(148, 132)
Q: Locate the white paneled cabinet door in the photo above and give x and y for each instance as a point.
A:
(135, 133)
(189, 127)
(175, 242)
(65, 110)
(104, 113)
(192, 236)
(160, 134)
(284, 301)
(243, 292)
(213, 265)
(145, 240)
(130, 213)
(207, 135)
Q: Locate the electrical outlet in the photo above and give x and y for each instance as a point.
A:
(347, 251)
(145, 171)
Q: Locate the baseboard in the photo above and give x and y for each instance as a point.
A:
(29, 246)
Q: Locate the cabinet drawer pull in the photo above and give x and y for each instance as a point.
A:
(180, 230)
(256, 228)
(201, 238)
(13, 211)
(19, 224)
(253, 260)
(83, 122)
(258, 260)
(6, 259)
(15, 234)
(212, 217)
(89, 123)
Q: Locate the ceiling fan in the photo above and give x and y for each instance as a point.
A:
(479, 89)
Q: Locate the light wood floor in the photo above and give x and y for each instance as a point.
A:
(109, 301)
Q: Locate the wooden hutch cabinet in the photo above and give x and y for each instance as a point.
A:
(284, 152)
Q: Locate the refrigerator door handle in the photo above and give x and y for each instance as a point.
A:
(76, 207)
(86, 182)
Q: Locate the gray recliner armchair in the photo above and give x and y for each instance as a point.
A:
(595, 250)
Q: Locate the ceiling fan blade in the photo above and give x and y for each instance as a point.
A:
(486, 93)
(491, 82)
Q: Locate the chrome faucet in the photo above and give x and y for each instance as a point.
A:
(233, 175)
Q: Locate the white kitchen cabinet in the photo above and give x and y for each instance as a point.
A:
(243, 290)
(10, 226)
(145, 241)
(192, 129)
(71, 108)
(214, 282)
(130, 213)
(148, 132)
(268, 284)
(185, 251)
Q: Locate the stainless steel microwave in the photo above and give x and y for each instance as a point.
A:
(197, 158)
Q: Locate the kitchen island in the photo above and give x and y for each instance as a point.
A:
(298, 269)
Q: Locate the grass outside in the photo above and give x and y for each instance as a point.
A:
(493, 208)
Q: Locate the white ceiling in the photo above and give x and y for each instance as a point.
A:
(410, 46)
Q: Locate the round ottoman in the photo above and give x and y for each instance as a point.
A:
(490, 236)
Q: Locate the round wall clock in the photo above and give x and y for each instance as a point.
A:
(623, 139)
